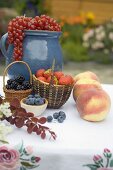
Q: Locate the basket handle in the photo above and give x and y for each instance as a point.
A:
(6, 69)
(52, 73)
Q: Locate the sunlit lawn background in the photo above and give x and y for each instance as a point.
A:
(87, 32)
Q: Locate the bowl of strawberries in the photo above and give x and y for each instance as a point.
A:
(55, 86)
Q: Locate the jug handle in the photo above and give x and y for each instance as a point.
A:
(3, 44)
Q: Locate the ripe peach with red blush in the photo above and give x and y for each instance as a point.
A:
(86, 74)
(83, 84)
(93, 104)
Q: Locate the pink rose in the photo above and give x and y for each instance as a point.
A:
(105, 169)
(29, 150)
(9, 159)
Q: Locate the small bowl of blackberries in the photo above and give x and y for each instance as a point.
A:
(34, 103)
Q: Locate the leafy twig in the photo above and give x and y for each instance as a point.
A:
(22, 118)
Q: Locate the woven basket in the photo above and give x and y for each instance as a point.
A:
(20, 94)
(57, 95)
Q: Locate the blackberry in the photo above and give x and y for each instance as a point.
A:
(22, 87)
(14, 85)
(26, 85)
(9, 82)
(19, 87)
(8, 86)
(20, 79)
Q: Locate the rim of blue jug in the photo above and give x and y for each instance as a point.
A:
(42, 32)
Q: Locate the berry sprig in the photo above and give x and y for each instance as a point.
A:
(17, 26)
(21, 118)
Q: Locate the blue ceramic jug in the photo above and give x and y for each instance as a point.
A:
(39, 50)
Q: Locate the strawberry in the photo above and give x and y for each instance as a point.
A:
(55, 80)
(47, 73)
(40, 72)
(42, 79)
(58, 74)
(66, 80)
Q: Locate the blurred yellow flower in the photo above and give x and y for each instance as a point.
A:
(82, 18)
(90, 16)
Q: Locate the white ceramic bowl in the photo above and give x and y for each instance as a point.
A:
(36, 109)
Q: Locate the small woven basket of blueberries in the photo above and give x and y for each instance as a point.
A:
(17, 87)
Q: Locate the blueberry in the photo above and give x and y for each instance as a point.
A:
(43, 100)
(36, 101)
(27, 101)
(31, 101)
(30, 96)
(49, 119)
(61, 113)
(39, 101)
(60, 119)
(37, 96)
(56, 115)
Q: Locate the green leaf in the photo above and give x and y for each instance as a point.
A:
(34, 166)
(111, 163)
(92, 166)
(27, 164)
(3, 141)
(21, 148)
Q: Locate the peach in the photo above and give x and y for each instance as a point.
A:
(93, 104)
(84, 84)
(86, 74)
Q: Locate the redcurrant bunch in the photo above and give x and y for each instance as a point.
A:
(17, 26)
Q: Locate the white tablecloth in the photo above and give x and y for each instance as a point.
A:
(77, 140)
